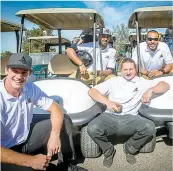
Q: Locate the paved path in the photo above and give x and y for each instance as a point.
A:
(159, 160)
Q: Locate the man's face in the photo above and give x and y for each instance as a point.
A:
(104, 39)
(128, 71)
(16, 78)
(152, 40)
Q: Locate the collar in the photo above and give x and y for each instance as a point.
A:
(148, 50)
(134, 80)
(6, 94)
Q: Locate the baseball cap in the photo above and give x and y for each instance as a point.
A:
(20, 60)
(105, 31)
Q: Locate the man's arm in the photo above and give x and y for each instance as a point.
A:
(10, 156)
(97, 96)
(73, 56)
(56, 118)
(160, 88)
(38, 162)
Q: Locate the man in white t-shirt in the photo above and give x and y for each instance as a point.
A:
(123, 97)
(155, 56)
(105, 58)
(19, 140)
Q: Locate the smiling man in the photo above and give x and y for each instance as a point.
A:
(154, 55)
(105, 58)
(21, 141)
(123, 97)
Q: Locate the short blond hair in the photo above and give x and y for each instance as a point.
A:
(127, 60)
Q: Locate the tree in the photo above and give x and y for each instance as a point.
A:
(36, 46)
(122, 37)
(6, 53)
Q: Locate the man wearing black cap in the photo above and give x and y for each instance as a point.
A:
(105, 58)
(18, 139)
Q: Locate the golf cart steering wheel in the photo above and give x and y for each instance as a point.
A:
(85, 57)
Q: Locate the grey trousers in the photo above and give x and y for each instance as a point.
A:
(37, 142)
(138, 128)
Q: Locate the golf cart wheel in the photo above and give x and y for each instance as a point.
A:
(89, 148)
(149, 146)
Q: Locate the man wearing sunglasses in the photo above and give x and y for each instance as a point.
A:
(105, 58)
(155, 56)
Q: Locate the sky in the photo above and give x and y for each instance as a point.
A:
(113, 13)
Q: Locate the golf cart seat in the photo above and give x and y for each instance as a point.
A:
(60, 64)
(160, 108)
(158, 116)
(72, 96)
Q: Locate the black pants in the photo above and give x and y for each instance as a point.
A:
(138, 128)
(37, 142)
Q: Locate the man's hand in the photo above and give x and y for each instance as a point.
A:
(83, 69)
(147, 96)
(113, 106)
(143, 71)
(40, 162)
(155, 73)
(54, 144)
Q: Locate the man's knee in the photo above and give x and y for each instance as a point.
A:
(149, 128)
(93, 128)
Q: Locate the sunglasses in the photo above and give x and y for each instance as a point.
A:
(150, 39)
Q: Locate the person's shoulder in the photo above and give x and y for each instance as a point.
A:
(143, 45)
(111, 49)
(163, 45)
(30, 86)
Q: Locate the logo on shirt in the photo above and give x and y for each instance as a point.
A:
(136, 89)
(161, 56)
(28, 101)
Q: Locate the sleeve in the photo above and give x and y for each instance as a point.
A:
(134, 55)
(105, 87)
(112, 59)
(41, 99)
(167, 55)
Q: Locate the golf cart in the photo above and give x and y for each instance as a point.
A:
(160, 109)
(70, 93)
(41, 60)
(8, 26)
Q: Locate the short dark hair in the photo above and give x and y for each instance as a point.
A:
(152, 31)
(127, 60)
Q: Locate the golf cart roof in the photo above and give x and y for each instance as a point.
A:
(7, 26)
(49, 39)
(152, 17)
(63, 18)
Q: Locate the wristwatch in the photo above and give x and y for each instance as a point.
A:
(163, 71)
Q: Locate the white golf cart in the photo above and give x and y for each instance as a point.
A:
(160, 109)
(71, 94)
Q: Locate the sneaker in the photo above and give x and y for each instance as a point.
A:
(129, 157)
(108, 161)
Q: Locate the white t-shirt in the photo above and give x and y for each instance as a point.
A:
(108, 56)
(153, 60)
(127, 93)
(17, 113)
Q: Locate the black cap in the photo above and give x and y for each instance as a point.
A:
(20, 60)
